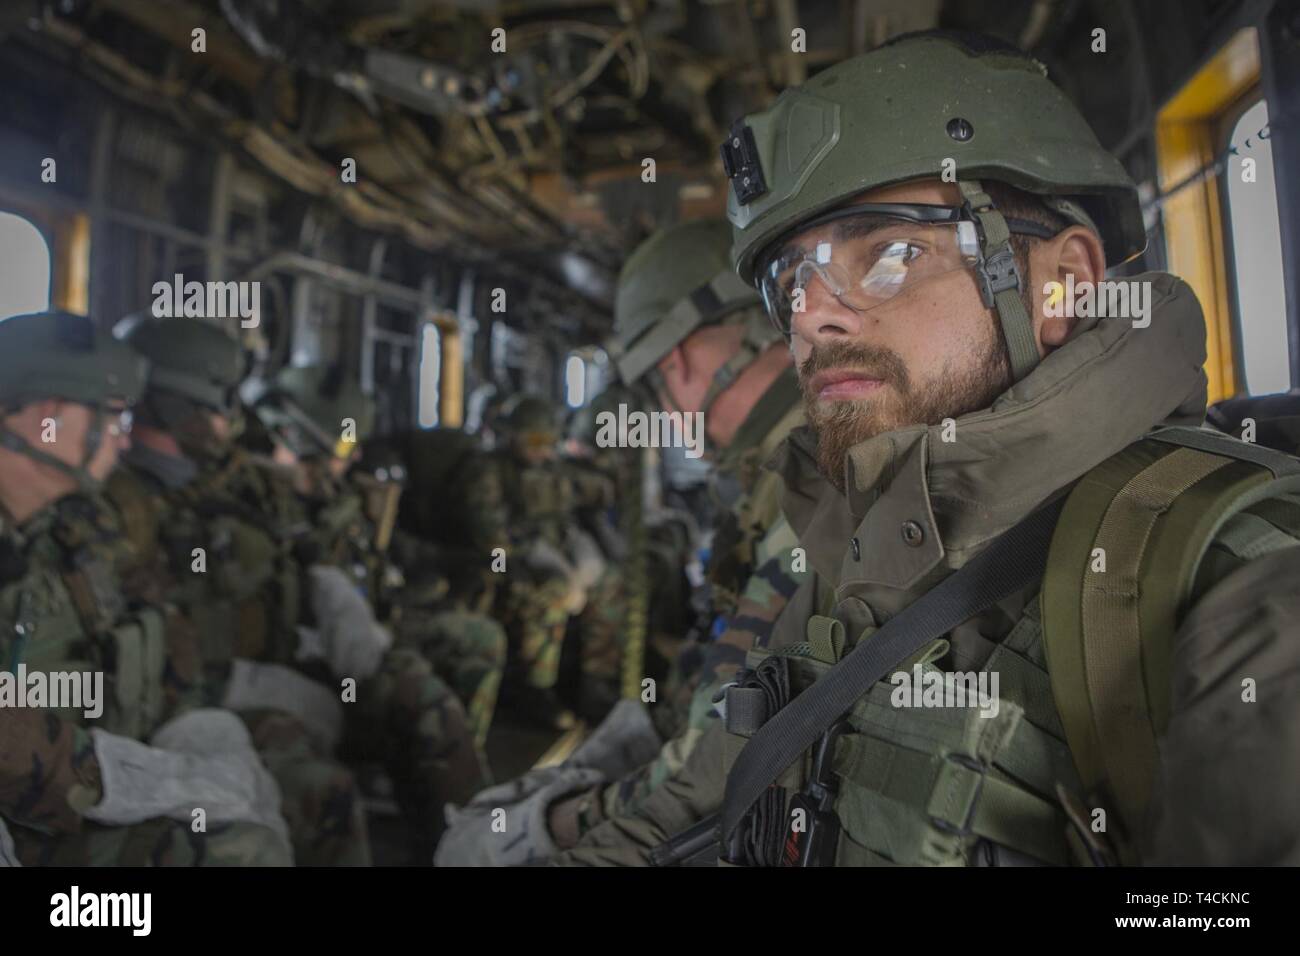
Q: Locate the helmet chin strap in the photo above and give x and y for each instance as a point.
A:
(81, 473)
(759, 334)
(1000, 280)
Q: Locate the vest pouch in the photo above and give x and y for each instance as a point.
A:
(758, 693)
(927, 786)
(136, 699)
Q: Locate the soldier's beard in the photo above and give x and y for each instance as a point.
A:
(898, 403)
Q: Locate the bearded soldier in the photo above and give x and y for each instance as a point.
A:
(992, 494)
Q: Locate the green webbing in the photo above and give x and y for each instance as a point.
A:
(852, 853)
(826, 636)
(1249, 536)
(1027, 685)
(1282, 512)
(954, 795)
(1017, 324)
(1015, 818)
(1113, 644)
(1037, 758)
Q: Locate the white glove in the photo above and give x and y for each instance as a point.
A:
(256, 686)
(625, 740)
(587, 559)
(354, 642)
(217, 770)
(478, 835)
(544, 557)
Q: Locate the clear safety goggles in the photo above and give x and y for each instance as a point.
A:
(865, 255)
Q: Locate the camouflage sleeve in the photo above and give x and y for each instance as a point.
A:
(765, 596)
(1225, 793)
(42, 757)
(687, 798)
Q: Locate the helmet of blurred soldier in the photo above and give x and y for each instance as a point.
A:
(316, 411)
(676, 286)
(192, 393)
(531, 424)
(675, 283)
(57, 356)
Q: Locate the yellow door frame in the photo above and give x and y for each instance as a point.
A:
(1195, 243)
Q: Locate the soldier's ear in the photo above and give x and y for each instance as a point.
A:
(1068, 261)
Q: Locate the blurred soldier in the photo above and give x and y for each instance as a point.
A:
(639, 610)
(354, 511)
(459, 505)
(71, 793)
(222, 567)
(687, 331)
(551, 563)
(407, 716)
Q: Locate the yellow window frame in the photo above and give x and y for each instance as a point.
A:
(1195, 243)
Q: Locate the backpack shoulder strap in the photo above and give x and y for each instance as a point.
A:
(1119, 577)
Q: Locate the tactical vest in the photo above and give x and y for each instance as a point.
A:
(235, 579)
(946, 786)
(539, 499)
(68, 614)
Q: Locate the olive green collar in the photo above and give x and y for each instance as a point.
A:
(920, 507)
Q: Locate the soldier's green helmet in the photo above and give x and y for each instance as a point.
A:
(195, 368)
(530, 415)
(909, 110)
(190, 358)
(317, 409)
(676, 282)
(57, 355)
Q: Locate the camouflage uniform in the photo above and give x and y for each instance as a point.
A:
(750, 573)
(406, 716)
(62, 608)
(235, 599)
(536, 598)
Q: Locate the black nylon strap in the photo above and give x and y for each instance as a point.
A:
(706, 301)
(1012, 562)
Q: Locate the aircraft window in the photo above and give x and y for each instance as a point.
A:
(1257, 257)
(430, 375)
(24, 267)
(575, 381)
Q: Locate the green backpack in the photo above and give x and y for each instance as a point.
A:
(1131, 553)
